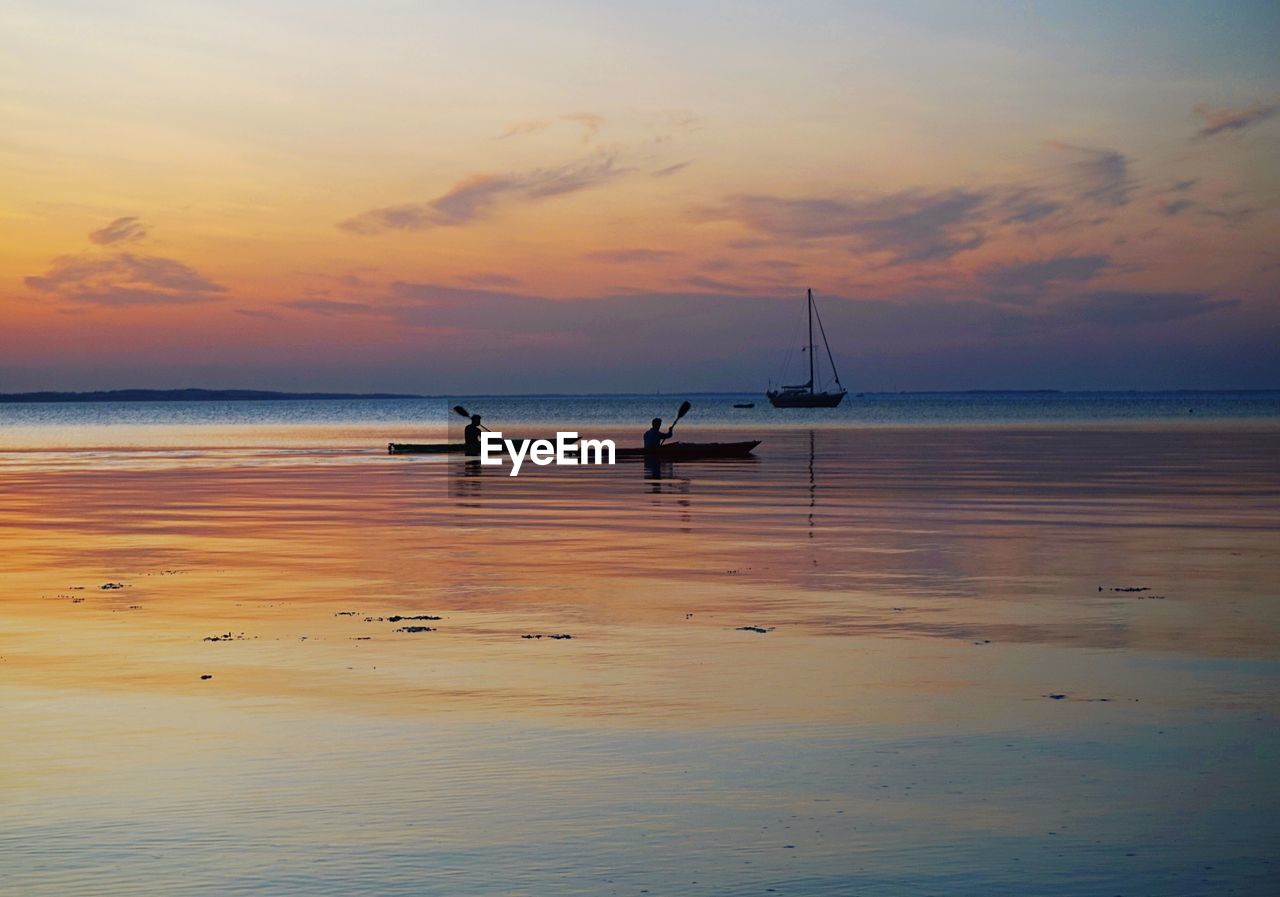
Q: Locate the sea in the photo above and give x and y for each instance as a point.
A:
(329, 423)
(1007, 644)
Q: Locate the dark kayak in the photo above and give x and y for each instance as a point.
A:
(672, 451)
(424, 448)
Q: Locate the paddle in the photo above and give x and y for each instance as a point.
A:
(463, 412)
(684, 409)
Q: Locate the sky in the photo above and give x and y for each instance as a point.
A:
(496, 197)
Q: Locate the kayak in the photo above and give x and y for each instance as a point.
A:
(672, 451)
(691, 451)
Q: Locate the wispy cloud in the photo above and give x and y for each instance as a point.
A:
(911, 226)
(629, 256)
(671, 169)
(1027, 207)
(1033, 276)
(1226, 118)
(525, 126)
(490, 279)
(124, 279)
(1176, 207)
(716, 285)
(122, 230)
(684, 120)
(1123, 308)
(1233, 217)
(331, 307)
(1101, 175)
(590, 123)
(478, 197)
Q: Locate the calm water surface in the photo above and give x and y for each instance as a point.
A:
(923, 589)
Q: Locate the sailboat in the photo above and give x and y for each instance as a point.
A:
(806, 395)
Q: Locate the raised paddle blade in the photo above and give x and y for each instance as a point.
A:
(684, 409)
(459, 410)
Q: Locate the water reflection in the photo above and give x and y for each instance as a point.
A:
(887, 732)
(813, 485)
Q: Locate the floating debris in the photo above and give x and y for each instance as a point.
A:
(111, 585)
(345, 613)
(416, 629)
(396, 618)
(759, 629)
(207, 676)
(227, 637)
(556, 635)
(1055, 697)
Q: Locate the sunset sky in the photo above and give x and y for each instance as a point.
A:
(440, 197)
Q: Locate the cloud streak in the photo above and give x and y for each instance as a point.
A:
(910, 226)
(1218, 119)
(479, 197)
(1101, 175)
(330, 307)
(525, 126)
(125, 279)
(1130, 308)
(671, 169)
(590, 123)
(122, 230)
(629, 256)
(1037, 275)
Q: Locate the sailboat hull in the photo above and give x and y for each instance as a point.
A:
(805, 399)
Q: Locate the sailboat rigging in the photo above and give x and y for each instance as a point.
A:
(806, 395)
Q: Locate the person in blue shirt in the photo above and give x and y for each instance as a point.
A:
(654, 437)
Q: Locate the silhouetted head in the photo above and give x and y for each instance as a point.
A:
(657, 423)
(475, 418)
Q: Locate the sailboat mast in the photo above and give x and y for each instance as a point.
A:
(810, 342)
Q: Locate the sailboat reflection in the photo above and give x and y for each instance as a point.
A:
(813, 485)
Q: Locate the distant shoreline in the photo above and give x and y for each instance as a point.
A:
(190, 395)
(259, 395)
